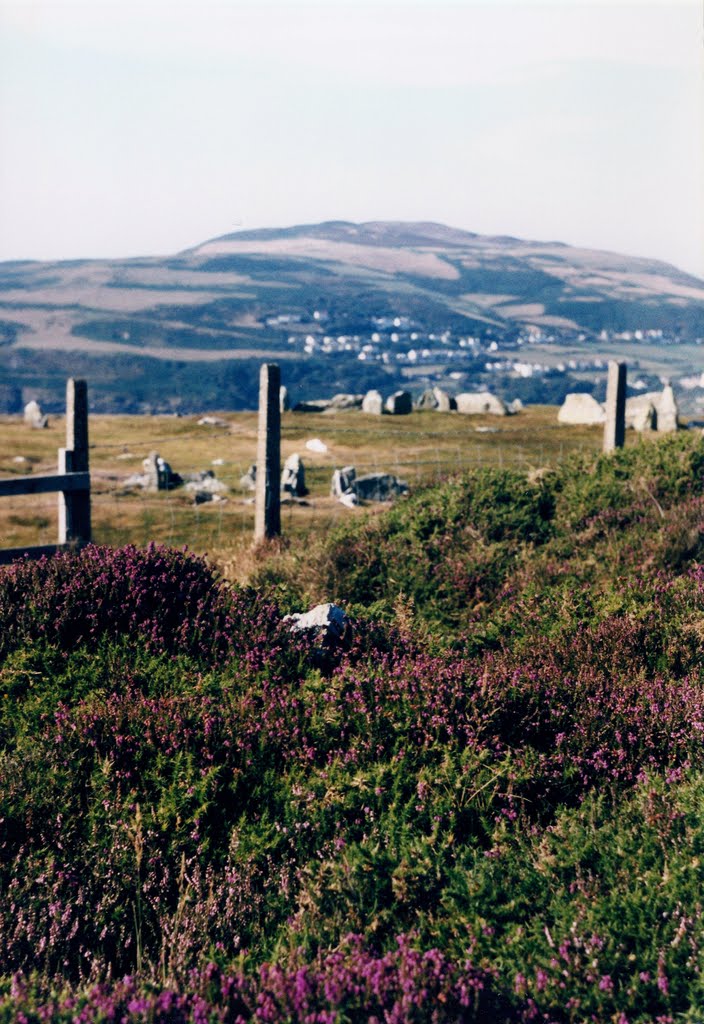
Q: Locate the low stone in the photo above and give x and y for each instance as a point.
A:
(326, 622)
(314, 405)
(515, 406)
(343, 401)
(480, 403)
(349, 500)
(248, 480)
(293, 477)
(205, 483)
(581, 410)
(212, 421)
(435, 399)
(379, 487)
(642, 411)
(399, 404)
(316, 445)
(373, 403)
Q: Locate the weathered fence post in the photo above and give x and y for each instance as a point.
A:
(74, 506)
(267, 515)
(615, 425)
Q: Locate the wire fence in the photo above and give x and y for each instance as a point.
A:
(131, 514)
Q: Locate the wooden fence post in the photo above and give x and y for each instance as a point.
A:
(267, 514)
(74, 506)
(615, 425)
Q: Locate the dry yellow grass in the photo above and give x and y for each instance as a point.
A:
(420, 448)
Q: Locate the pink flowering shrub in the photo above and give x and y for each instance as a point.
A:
(488, 807)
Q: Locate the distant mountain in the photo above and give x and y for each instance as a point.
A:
(189, 330)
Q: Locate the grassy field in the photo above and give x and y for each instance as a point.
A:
(421, 448)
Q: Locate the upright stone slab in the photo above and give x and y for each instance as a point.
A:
(373, 403)
(668, 412)
(74, 506)
(267, 514)
(615, 425)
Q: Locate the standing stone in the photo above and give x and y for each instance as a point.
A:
(343, 481)
(293, 477)
(150, 465)
(158, 474)
(248, 480)
(615, 425)
(34, 417)
(399, 404)
(267, 515)
(668, 412)
(284, 403)
(443, 400)
(373, 403)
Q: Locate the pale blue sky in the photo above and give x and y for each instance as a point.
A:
(135, 129)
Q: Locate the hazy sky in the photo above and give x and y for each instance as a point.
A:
(141, 128)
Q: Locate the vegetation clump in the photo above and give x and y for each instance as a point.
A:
(488, 807)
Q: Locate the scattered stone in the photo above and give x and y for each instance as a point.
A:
(399, 404)
(205, 483)
(642, 413)
(341, 402)
(343, 482)
(34, 417)
(20, 459)
(379, 487)
(212, 421)
(314, 405)
(316, 445)
(373, 403)
(480, 403)
(515, 406)
(218, 462)
(486, 430)
(159, 474)
(435, 399)
(350, 500)
(293, 477)
(201, 497)
(248, 481)
(284, 403)
(581, 409)
(327, 625)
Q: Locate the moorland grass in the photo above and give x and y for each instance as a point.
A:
(487, 808)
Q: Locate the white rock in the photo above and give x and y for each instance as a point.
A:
(480, 403)
(581, 409)
(316, 445)
(326, 618)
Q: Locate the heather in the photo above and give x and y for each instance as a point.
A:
(488, 808)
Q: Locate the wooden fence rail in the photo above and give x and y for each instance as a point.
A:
(72, 482)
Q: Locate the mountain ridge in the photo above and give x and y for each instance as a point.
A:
(313, 296)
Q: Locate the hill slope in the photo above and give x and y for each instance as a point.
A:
(188, 330)
(487, 807)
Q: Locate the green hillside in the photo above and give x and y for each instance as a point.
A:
(183, 331)
(483, 803)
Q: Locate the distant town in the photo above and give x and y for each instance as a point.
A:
(398, 340)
